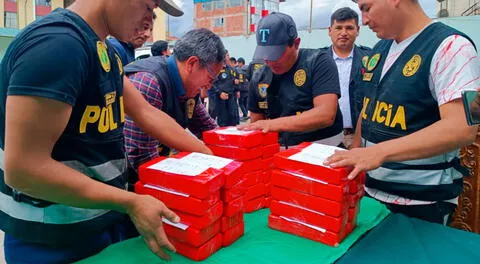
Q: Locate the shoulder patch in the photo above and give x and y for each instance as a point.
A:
(300, 77)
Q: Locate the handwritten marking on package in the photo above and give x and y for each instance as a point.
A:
(207, 160)
(233, 131)
(180, 167)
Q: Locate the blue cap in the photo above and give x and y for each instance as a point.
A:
(274, 33)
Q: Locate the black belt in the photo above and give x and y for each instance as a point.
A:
(23, 198)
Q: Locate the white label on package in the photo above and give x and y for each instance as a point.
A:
(304, 224)
(158, 188)
(315, 154)
(180, 167)
(321, 150)
(177, 225)
(207, 160)
(233, 131)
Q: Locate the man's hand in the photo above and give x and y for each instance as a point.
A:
(263, 125)
(146, 213)
(238, 94)
(361, 159)
(236, 81)
(224, 96)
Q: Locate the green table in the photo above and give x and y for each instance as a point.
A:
(259, 244)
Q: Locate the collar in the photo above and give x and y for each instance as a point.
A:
(175, 75)
(350, 56)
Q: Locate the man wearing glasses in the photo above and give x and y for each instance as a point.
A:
(172, 84)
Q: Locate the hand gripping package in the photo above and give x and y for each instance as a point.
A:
(312, 200)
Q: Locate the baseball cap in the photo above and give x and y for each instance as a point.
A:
(169, 7)
(274, 33)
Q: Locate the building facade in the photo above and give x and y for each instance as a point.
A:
(455, 8)
(232, 17)
(17, 14)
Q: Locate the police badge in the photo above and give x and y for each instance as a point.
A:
(262, 89)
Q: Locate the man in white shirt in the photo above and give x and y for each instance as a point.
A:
(343, 32)
(412, 122)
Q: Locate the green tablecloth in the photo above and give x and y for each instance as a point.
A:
(259, 244)
(400, 239)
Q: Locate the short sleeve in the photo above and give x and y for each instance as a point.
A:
(253, 97)
(455, 67)
(325, 76)
(53, 66)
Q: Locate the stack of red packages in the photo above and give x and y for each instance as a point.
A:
(192, 191)
(255, 149)
(310, 199)
(232, 194)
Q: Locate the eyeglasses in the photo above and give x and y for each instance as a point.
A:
(211, 74)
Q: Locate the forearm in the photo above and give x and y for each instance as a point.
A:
(52, 181)
(440, 137)
(357, 138)
(306, 121)
(254, 117)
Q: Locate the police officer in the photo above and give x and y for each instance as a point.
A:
(226, 95)
(253, 66)
(297, 94)
(343, 31)
(62, 175)
(243, 87)
(412, 121)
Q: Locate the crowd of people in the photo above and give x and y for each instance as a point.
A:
(79, 114)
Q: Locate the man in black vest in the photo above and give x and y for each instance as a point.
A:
(412, 122)
(242, 87)
(226, 94)
(343, 31)
(297, 94)
(172, 84)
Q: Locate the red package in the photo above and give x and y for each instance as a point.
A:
(270, 138)
(179, 201)
(255, 205)
(268, 189)
(350, 228)
(253, 178)
(308, 216)
(198, 253)
(253, 165)
(309, 162)
(231, 169)
(193, 179)
(356, 184)
(305, 184)
(266, 176)
(234, 207)
(268, 163)
(329, 207)
(255, 191)
(200, 222)
(311, 232)
(353, 213)
(189, 235)
(270, 150)
(236, 153)
(232, 221)
(268, 201)
(354, 199)
(233, 234)
(231, 136)
(228, 195)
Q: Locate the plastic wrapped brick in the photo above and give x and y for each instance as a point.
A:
(196, 180)
(233, 234)
(236, 153)
(268, 163)
(179, 201)
(198, 253)
(270, 150)
(231, 136)
(192, 236)
(233, 207)
(228, 195)
(255, 204)
(200, 222)
(253, 178)
(231, 221)
(266, 176)
(255, 191)
(270, 138)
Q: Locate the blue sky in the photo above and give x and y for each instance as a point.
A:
(322, 10)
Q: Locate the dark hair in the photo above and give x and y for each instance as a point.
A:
(241, 60)
(344, 14)
(232, 59)
(158, 47)
(202, 43)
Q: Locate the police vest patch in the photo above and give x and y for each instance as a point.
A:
(190, 107)
(373, 62)
(412, 66)
(300, 77)
(365, 61)
(103, 56)
(262, 89)
(120, 64)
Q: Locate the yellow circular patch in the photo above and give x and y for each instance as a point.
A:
(412, 65)
(365, 61)
(300, 77)
(103, 56)
(373, 62)
(120, 64)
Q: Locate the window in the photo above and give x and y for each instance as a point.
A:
(11, 20)
(219, 4)
(207, 6)
(42, 2)
(232, 3)
(218, 22)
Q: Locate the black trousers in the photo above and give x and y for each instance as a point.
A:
(439, 212)
(227, 111)
(211, 106)
(243, 103)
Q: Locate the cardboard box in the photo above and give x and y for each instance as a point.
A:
(309, 162)
(311, 232)
(196, 180)
(309, 185)
(255, 191)
(228, 222)
(236, 153)
(270, 150)
(191, 236)
(198, 253)
(253, 178)
(255, 205)
(228, 195)
(179, 201)
(200, 222)
(231, 136)
(233, 234)
(308, 216)
(329, 207)
(233, 170)
(234, 207)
